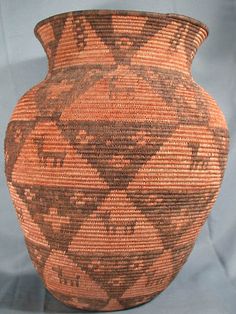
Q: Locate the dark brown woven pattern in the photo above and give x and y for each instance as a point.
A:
(116, 158)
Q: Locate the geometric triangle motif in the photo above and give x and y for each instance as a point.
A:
(63, 277)
(49, 209)
(194, 112)
(114, 230)
(160, 80)
(17, 132)
(180, 89)
(66, 85)
(123, 44)
(50, 43)
(116, 149)
(155, 278)
(31, 230)
(113, 303)
(90, 191)
(51, 161)
(115, 273)
(69, 41)
(162, 207)
(81, 302)
(121, 89)
(38, 254)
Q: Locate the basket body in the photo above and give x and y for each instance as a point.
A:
(115, 159)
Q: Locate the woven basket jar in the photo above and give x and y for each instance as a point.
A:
(115, 159)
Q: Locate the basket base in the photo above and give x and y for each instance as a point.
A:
(111, 306)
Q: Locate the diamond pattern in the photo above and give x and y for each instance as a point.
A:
(47, 209)
(116, 158)
(123, 45)
(172, 213)
(17, 132)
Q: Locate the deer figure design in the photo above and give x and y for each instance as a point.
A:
(71, 280)
(112, 227)
(199, 161)
(55, 156)
(114, 89)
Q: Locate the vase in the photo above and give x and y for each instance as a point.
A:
(116, 158)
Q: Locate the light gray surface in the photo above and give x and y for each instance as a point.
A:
(207, 283)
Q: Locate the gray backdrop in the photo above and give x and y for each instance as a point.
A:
(207, 283)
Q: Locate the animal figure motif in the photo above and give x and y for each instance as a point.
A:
(56, 157)
(112, 227)
(69, 280)
(199, 161)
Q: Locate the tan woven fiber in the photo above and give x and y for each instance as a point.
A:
(115, 159)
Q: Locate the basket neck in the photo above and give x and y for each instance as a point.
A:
(115, 38)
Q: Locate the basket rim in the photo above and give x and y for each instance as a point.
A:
(173, 16)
